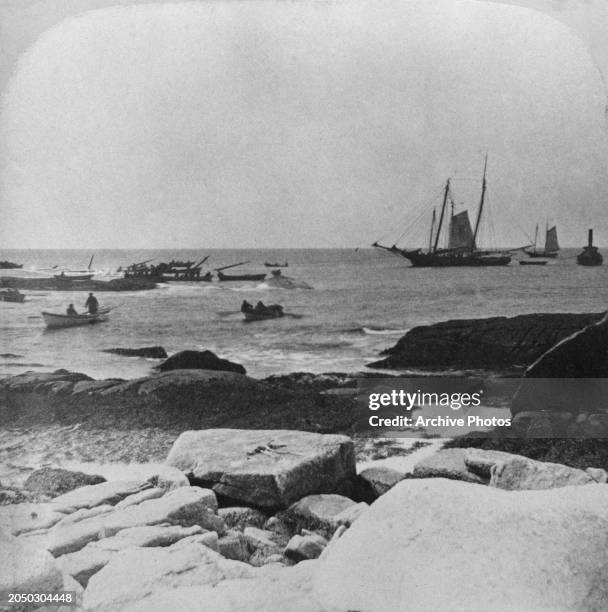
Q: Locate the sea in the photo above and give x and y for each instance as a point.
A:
(361, 301)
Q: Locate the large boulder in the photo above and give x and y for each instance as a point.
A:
(439, 544)
(492, 343)
(265, 468)
(25, 568)
(200, 360)
(52, 482)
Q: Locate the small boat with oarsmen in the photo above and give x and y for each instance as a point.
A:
(55, 320)
(10, 265)
(260, 311)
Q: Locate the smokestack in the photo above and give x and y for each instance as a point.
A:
(590, 237)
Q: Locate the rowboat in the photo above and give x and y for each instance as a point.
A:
(55, 320)
(11, 295)
(73, 276)
(261, 311)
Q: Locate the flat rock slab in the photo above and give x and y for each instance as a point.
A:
(266, 468)
(134, 574)
(281, 590)
(21, 518)
(88, 561)
(185, 506)
(99, 494)
(521, 473)
(471, 548)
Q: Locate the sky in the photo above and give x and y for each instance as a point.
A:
(296, 124)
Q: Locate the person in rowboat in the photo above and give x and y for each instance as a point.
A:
(71, 311)
(92, 305)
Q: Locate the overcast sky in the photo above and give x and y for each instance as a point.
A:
(278, 124)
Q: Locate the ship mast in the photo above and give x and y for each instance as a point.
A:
(445, 200)
(432, 228)
(481, 201)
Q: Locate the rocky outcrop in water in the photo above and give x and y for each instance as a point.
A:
(496, 343)
(150, 352)
(200, 360)
(558, 381)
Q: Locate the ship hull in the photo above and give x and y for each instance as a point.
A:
(542, 254)
(445, 260)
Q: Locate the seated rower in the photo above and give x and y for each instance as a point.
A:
(71, 311)
(246, 306)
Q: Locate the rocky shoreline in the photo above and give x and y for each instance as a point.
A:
(294, 533)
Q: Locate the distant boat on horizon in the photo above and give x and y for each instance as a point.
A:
(462, 247)
(590, 255)
(551, 244)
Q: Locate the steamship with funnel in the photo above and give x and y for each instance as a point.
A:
(462, 247)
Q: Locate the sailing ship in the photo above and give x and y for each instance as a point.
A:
(590, 256)
(551, 244)
(462, 247)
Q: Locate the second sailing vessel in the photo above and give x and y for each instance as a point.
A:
(462, 247)
(551, 245)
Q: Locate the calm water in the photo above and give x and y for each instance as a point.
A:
(361, 302)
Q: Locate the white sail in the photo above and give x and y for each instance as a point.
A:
(551, 244)
(461, 234)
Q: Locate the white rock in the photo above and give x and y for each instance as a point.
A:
(522, 473)
(131, 575)
(24, 568)
(185, 506)
(137, 498)
(23, 518)
(95, 555)
(436, 544)
(302, 547)
(266, 468)
(110, 492)
(279, 590)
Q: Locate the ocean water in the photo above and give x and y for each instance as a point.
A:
(361, 302)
